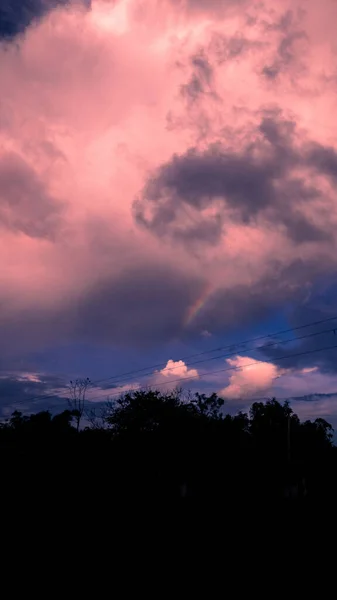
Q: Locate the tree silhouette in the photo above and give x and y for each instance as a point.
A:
(171, 449)
(76, 400)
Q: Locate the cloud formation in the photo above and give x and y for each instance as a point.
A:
(150, 151)
(17, 15)
(178, 369)
(31, 392)
(26, 206)
(250, 377)
(266, 181)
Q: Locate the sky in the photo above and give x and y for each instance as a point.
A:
(168, 200)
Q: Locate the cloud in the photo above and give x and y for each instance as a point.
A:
(31, 391)
(164, 379)
(178, 369)
(101, 393)
(305, 382)
(322, 406)
(318, 349)
(198, 193)
(200, 81)
(251, 201)
(17, 15)
(249, 378)
(173, 375)
(26, 206)
(323, 159)
(225, 48)
(150, 298)
(264, 292)
(207, 6)
(292, 44)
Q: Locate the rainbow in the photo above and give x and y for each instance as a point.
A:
(198, 305)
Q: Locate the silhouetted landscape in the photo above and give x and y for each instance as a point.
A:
(168, 450)
(168, 217)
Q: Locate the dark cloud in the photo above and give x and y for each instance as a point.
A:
(282, 24)
(200, 81)
(248, 183)
(314, 350)
(144, 305)
(17, 15)
(26, 393)
(271, 71)
(314, 397)
(221, 49)
(172, 220)
(288, 55)
(26, 331)
(286, 48)
(323, 159)
(244, 304)
(25, 204)
(299, 228)
(147, 306)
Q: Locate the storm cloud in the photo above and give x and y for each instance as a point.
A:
(143, 306)
(157, 181)
(259, 181)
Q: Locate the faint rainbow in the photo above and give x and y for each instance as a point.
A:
(199, 304)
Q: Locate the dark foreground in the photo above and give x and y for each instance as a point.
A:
(166, 467)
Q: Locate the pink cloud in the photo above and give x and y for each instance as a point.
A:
(173, 375)
(249, 377)
(166, 379)
(26, 206)
(177, 369)
(92, 104)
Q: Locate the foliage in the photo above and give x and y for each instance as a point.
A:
(169, 448)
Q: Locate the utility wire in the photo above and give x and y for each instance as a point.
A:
(254, 348)
(184, 358)
(228, 346)
(224, 370)
(233, 368)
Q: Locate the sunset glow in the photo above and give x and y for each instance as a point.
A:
(168, 169)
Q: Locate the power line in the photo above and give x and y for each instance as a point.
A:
(294, 339)
(184, 358)
(218, 371)
(206, 374)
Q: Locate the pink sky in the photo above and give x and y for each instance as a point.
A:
(95, 104)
